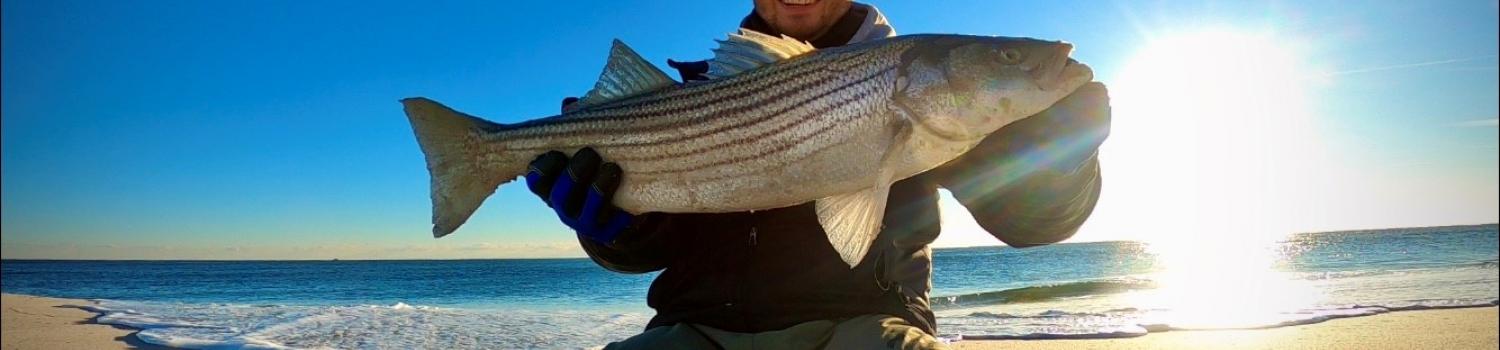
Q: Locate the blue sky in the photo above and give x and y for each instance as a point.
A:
(270, 129)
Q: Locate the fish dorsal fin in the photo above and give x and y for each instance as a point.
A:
(749, 49)
(852, 220)
(625, 74)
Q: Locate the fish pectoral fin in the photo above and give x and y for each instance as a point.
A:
(750, 49)
(625, 74)
(852, 220)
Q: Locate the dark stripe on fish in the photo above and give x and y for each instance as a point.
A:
(737, 112)
(530, 129)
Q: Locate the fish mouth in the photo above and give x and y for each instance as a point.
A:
(1062, 71)
(1076, 73)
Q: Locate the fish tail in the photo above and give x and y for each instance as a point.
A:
(465, 167)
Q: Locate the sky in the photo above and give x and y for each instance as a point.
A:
(271, 129)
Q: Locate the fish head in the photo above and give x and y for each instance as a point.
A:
(966, 87)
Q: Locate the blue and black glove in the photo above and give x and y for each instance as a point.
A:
(580, 189)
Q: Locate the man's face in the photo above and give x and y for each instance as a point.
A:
(801, 19)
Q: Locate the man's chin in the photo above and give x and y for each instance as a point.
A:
(800, 28)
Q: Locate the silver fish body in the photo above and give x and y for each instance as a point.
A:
(835, 126)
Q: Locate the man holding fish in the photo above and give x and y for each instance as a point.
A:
(806, 276)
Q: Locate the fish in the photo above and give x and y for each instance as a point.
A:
(778, 124)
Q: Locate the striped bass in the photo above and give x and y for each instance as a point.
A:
(779, 124)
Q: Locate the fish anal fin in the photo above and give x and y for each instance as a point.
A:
(852, 220)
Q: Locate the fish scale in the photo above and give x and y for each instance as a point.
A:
(835, 126)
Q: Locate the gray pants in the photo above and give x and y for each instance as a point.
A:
(863, 332)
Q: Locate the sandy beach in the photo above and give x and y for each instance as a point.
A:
(51, 323)
(1472, 328)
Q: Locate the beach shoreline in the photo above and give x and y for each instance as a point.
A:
(1449, 328)
(32, 322)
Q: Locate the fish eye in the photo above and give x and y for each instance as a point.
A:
(1010, 56)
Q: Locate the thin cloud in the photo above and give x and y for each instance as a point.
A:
(1411, 65)
(1479, 123)
(1474, 69)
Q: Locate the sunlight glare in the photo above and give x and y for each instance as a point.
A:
(1210, 131)
(1209, 128)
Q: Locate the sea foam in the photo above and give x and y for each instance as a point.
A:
(399, 326)
(402, 326)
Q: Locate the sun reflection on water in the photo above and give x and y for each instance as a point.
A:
(1216, 282)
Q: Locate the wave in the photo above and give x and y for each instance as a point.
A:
(1482, 265)
(1031, 294)
(1432, 304)
(226, 326)
(1056, 336)
(1052, 314)
(398, 326)
(1487, 264)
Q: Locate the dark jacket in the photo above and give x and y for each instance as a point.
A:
(771, 269)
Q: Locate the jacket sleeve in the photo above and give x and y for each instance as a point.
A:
(1034, 182)
(1039, 209)
(644, 247)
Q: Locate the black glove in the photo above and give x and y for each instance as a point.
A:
(1033, 182)
(690, 70)
(1056, 142)
(1061, 138)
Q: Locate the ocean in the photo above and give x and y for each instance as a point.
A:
(1071, 290)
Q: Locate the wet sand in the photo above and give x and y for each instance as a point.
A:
(48, 323)
(1472, 328)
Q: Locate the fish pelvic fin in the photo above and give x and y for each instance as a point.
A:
(852, 220)
(465, 168)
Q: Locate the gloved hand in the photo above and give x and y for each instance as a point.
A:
(1060, 139)
(690, 70)
(579, 189)
(1056, 142)
(1033, 182)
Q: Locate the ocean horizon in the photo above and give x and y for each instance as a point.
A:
(1063, 291)
(935, 249)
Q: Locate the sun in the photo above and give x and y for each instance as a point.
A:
(1208, 129)
(1214, 71)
